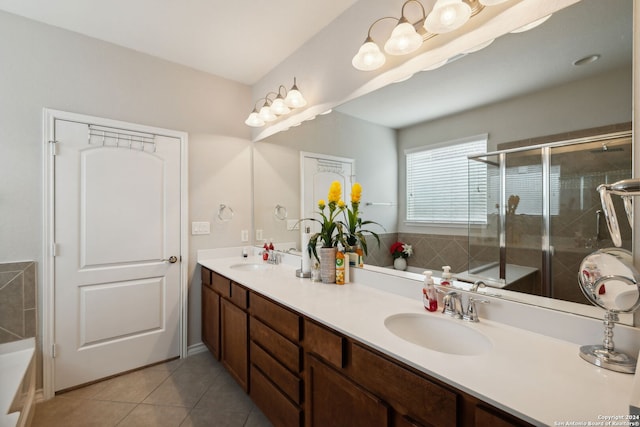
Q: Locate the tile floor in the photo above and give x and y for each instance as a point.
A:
(193, 392)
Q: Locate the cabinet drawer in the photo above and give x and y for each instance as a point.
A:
(282, 320)
(205, 273)
(324, 343)
(409, 392)
(239, 295)
(289, 383)
(276, 407)
(275, 344)
(221, 284)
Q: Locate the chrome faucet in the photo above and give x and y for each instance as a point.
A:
(273, 257)
(452, 306)
(477, 284)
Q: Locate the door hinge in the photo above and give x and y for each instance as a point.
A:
(54, 147)
(54, 249)
(53, 351)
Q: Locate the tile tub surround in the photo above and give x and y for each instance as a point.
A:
(18, 319)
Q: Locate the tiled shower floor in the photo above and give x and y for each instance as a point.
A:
(196, 391)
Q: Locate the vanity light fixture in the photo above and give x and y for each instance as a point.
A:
(408, 36)
(280, 105)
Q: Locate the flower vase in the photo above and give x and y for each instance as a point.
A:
(328, 264)
(400, 263)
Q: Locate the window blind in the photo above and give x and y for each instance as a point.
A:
(438, 179)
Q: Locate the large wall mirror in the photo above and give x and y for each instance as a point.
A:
(568, 78)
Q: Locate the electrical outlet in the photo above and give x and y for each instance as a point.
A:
(293, 224)
(202, 227)
(244, 235)
(259, 235)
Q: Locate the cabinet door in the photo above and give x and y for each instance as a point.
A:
(211, 320)
(336, 401)
(234, 341)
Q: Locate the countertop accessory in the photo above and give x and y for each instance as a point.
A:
(613, 267)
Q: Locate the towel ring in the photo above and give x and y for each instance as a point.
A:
(222, 216)
(280, 212)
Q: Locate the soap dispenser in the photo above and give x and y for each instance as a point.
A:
(429, 295)
(446, 276)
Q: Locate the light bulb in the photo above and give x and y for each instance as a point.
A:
(266, 114)
(404, 39)
(294, 98)
(254, 120)
(447, 15)
(278, 106)
(368, 57)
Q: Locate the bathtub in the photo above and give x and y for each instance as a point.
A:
(17, 376)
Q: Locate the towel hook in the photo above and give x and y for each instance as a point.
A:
(221, 213)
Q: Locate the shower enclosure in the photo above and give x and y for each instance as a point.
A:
(534, 212)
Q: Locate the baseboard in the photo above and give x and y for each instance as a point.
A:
(40, 395)
(196, 348)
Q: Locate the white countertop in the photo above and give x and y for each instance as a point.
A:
(532, 376)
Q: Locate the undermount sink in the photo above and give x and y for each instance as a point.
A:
(250, 266)
(442, 335)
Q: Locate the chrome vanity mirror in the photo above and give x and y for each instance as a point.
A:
(609, 280)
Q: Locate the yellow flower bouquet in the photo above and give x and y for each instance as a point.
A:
(354, 224)
(330, 230)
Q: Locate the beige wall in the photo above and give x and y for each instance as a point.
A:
(43, 66)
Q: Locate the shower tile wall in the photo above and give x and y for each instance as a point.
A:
(430, 251)
(18, 319)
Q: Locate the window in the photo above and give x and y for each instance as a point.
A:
(438, 182)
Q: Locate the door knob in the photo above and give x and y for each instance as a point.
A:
(172, 259)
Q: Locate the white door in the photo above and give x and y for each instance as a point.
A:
(116, 225)
(318, 172)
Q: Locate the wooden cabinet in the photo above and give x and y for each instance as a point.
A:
(335, 400)
(225, 324)
(276, 361)
(300, 372)
(210, 314)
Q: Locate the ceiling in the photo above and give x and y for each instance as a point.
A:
(239, 40)
(514, 65)
(244, 40)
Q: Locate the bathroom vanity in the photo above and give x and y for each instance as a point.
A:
(315, 354)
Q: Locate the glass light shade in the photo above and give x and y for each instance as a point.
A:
(447, 15)
(368, 57)
(266, 114)
(491, 2)
(404, 39)
(254, 120)
(531, 25)
(278, 107)
(294, 98)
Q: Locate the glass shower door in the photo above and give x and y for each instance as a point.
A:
(577, 225)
